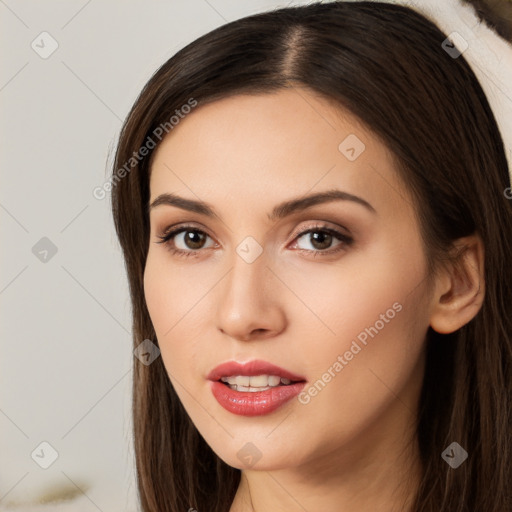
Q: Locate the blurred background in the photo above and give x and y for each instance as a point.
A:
(70, 72)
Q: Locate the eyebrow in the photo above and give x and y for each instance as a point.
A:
(280, 211)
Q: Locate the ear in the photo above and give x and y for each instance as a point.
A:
(459, 287)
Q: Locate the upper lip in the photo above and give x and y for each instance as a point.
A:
(251, 368)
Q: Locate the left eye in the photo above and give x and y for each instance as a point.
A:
(322, 238)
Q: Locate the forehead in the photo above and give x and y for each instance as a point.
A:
(256, 150)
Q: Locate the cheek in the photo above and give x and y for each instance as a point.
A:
(369, 310)
(157, 296)
(371, 364)
(340, 300)
(169, 294)
(175, 303)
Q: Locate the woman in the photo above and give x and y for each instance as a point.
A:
(311, 207)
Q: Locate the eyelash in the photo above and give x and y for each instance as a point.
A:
(346, 240)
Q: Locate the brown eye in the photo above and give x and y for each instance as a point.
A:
(194, 239)
(185, 240)
(321, 239)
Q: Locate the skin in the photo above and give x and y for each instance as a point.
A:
(352, 446)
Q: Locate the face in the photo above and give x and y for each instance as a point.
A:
(333, 291)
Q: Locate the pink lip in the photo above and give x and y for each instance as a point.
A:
(248, 403)
(251, 369)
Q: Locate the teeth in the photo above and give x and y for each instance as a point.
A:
(254, 383)
(242, 380)
(258, 381)
(274, 380)
(250, 389)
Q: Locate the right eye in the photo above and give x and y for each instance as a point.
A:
(190, 238)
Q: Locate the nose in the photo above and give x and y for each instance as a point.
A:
(250, 304)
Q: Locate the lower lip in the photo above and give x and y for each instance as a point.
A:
(257, 403)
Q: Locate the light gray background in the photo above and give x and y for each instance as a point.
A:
(66, 349)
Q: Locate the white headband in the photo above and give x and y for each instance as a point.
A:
(488, 54)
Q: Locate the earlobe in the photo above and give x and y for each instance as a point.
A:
(460, 287)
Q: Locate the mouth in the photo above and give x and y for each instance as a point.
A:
(254, 388)
(256, 374)
(256, 383)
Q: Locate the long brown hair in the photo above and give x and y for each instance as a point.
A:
(387, 65)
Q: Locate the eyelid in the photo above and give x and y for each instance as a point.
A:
(319, 224)
(182, 225)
